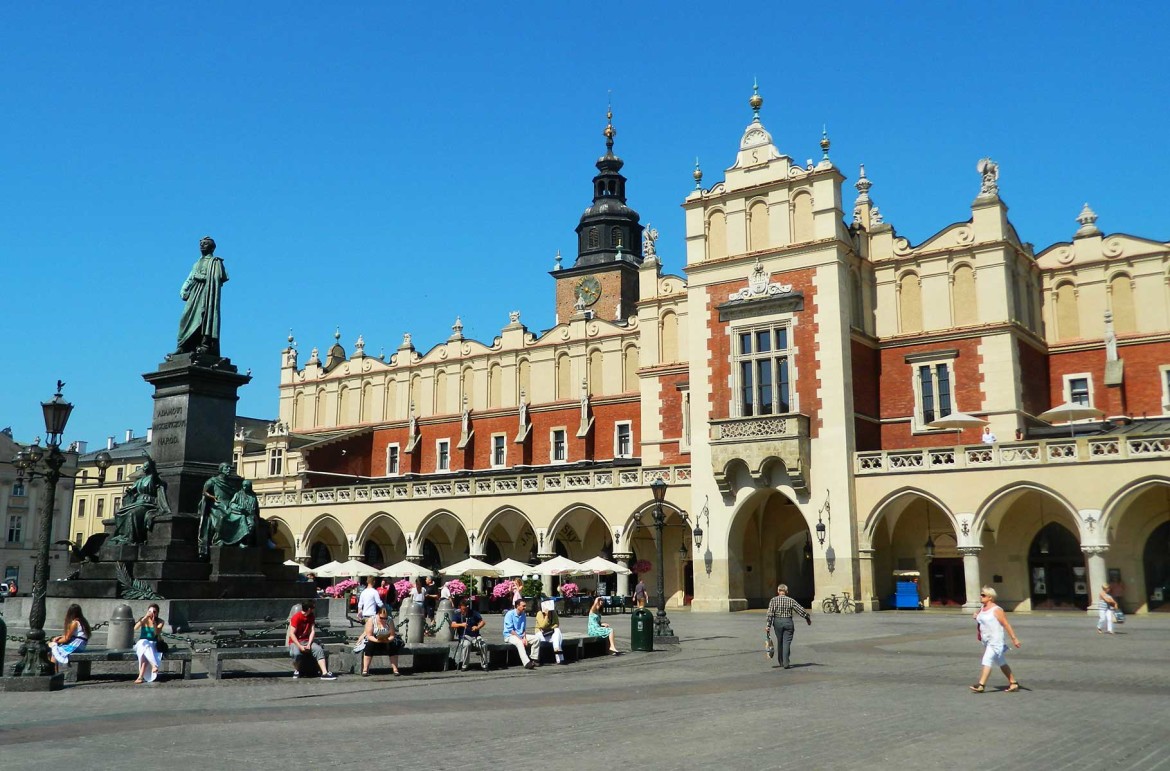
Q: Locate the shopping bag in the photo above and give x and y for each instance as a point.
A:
(769, 647)
(1118, 617)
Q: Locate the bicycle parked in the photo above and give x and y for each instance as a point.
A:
(833, 604)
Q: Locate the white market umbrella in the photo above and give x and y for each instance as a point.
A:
(602, 565)
(349, 568)
(557, 566)
(300, 568)
(958, 420)
(512, 567)
(1069, 413)
(404, 569)
(471, 567)
(326, 566)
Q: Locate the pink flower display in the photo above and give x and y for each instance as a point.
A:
(570, 590)
(402, 588)
(339, 589)
(502, 590)
(456, 587)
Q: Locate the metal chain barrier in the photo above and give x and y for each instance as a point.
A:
(432, 628)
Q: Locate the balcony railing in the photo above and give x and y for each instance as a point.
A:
(762, 427)
(568, 480)
(1047, 452)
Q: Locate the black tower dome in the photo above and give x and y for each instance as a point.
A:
(609, 229)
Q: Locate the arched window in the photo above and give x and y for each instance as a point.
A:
(440, 401)
(524, 376)
(758, 226)
(319, 416)
(372, 554)
(565, 378)
(669, 340)
(367, 409)
(802, 218)
(390, 400)
(1068, 323)
(345, 406)
(414, 394)
(467, 392)
(615, 237)
(909, 303)
(630, 368)
(1121, 303)
(593, 238)
(596, 384)
(495, 386)
(716, 235)
(963, 301)
(298, 410)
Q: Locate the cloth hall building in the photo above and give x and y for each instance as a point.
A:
(786, 381)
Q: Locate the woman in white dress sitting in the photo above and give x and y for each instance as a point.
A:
(73, 639)
(149, 629)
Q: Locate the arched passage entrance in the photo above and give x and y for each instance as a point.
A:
(677, 571)
(381, 541)
(912, 532)
(508, 534)
(1156, 564)
(325, 541)
(770, 543)
(1057, 570)
(442, 540)
(1138, 560)
(281, 535)
(580, 533)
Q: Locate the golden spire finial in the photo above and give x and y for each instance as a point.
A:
(698, 175)
(610, 132)
(756, 101)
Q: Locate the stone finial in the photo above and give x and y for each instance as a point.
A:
(649, 242)
(989, 170)
(825, 146)
(292, 341)
(698, 175)
(337, 334)
(314, 356)
(359, 347)
(557, 261)
(1088, 221)
(756, 101)
(406, 342)
(863, 185)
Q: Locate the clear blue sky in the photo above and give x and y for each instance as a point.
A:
(384, 167)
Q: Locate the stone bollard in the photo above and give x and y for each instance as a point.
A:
(121, 633)
(404, 609)
(443, 615)
(416, 624)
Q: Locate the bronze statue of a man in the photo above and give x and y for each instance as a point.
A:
(142, 503)
(217, 496)
(199, 325)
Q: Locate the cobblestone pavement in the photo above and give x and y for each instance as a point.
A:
(876, 690)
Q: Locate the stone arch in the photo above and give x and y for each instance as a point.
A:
(668, 338)
(523, 379)
(448, 535)
(386, 531)
(440, 401)
(390, 399)
(802, 217)
(367, 408)
(964, 302)
(282, 535)
(345, 405)
(909, 302)
(993, 507)
(895, 502)
(298, 410)
(520, 543)
(466, 389)
(758, 230)
(1121, 303)
(326, 529)
(912, 529)
(716, 234)
(769, 541)
(638, 539)
(414, 392)
(319, 404)
(1117, 503)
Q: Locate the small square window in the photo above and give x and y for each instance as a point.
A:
(623, 441)
(443, 455)
(499, 451)
(392, 460)
(120, 474)
(81, 507)
(559, 453)
(101, 507)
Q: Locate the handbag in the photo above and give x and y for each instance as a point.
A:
(769, 648)
(1118, 616)
(361, 646)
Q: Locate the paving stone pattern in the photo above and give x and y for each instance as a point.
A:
(884, 690)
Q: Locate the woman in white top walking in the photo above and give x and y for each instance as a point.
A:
(1107, 607)
(992, 626)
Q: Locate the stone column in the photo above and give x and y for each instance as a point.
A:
(867, 599)
(545, 581)
(971, 577)
(623, 581)
(1095, 560)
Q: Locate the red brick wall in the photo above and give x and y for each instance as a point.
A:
(1141, 392)
(804, 338)
(349, 456)
(1033, 378)
(670, 423)
(866, 363)
(897, 393)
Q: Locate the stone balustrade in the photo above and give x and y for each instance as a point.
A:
(1087, 449)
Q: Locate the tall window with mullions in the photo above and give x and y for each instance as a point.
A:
(764, 372)
(934, 383)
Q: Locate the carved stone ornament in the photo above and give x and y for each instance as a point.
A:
(758, 286)
(649, 242)
(989, 170)
(513, 317)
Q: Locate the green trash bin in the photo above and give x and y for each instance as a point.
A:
(641, 630)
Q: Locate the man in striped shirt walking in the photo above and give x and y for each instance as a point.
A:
(780, 611)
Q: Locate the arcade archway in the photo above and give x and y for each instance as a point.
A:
(770, 543)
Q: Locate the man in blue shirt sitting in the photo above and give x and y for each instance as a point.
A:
(466, 626)
(515, 627)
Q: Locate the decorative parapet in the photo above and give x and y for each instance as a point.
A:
(526, 483)
(758, 440)
(1047, 452)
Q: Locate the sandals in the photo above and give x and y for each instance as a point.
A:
(978, 688)
(1013, 686)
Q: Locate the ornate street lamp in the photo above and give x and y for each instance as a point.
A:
(34, 670)
(661, 622)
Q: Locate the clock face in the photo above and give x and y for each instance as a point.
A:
(588, 290)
